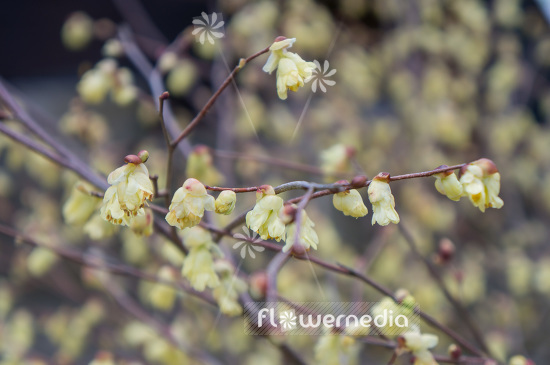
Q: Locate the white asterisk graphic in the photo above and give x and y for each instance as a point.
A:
(287, 319)
(247, 242)
(320, 77)
(207, 27)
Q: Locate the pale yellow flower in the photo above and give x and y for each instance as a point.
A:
(447, 184)
(383, 202)
(481, 182)
(419, 344)
(350, 203)
(198, 268)
(264, 218)
(200, 166)
(227, 293)
(198, 265)
(80, 205)
(292, 70)
(225, 202)
(125, 199)
(307, 235)
(188, 204)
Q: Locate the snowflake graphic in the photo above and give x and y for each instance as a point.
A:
(247, 242)
(320, 77)
(287, 319)
(206, 25)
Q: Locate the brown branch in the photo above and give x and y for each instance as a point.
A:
(214, 97)
(464, 315)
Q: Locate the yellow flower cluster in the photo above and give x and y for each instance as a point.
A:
(479, 180)
(292, 70)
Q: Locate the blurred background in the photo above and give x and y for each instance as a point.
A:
(419, 83)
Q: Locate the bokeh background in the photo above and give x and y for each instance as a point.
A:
(419, 83)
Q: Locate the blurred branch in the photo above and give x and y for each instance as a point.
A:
(118, 269)
(214, 97)
(463, 313)
(270, 161)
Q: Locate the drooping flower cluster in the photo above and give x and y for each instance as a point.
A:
(292, 70)
(227, 293)
(106, 77)
(188, 204)
(198, 266)
(130, 188)
(479, 181)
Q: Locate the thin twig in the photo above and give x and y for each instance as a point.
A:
(214, 97)
(464, 315)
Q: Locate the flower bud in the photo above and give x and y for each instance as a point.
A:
(454, 351)
(225, 202)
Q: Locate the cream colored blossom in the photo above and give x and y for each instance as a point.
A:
(383, 202)
(225, 202)
(447, 184)
(200, 166)
(350, 203)
(80, 205)
(188, 204)
(307, 235)
(198, 266)
(264, 218)
(419, 344)
(292, 70)
(130, 188)
(481, 182)
(227, 293)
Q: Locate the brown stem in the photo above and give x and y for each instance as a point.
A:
(213, 98)
(464, 315)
